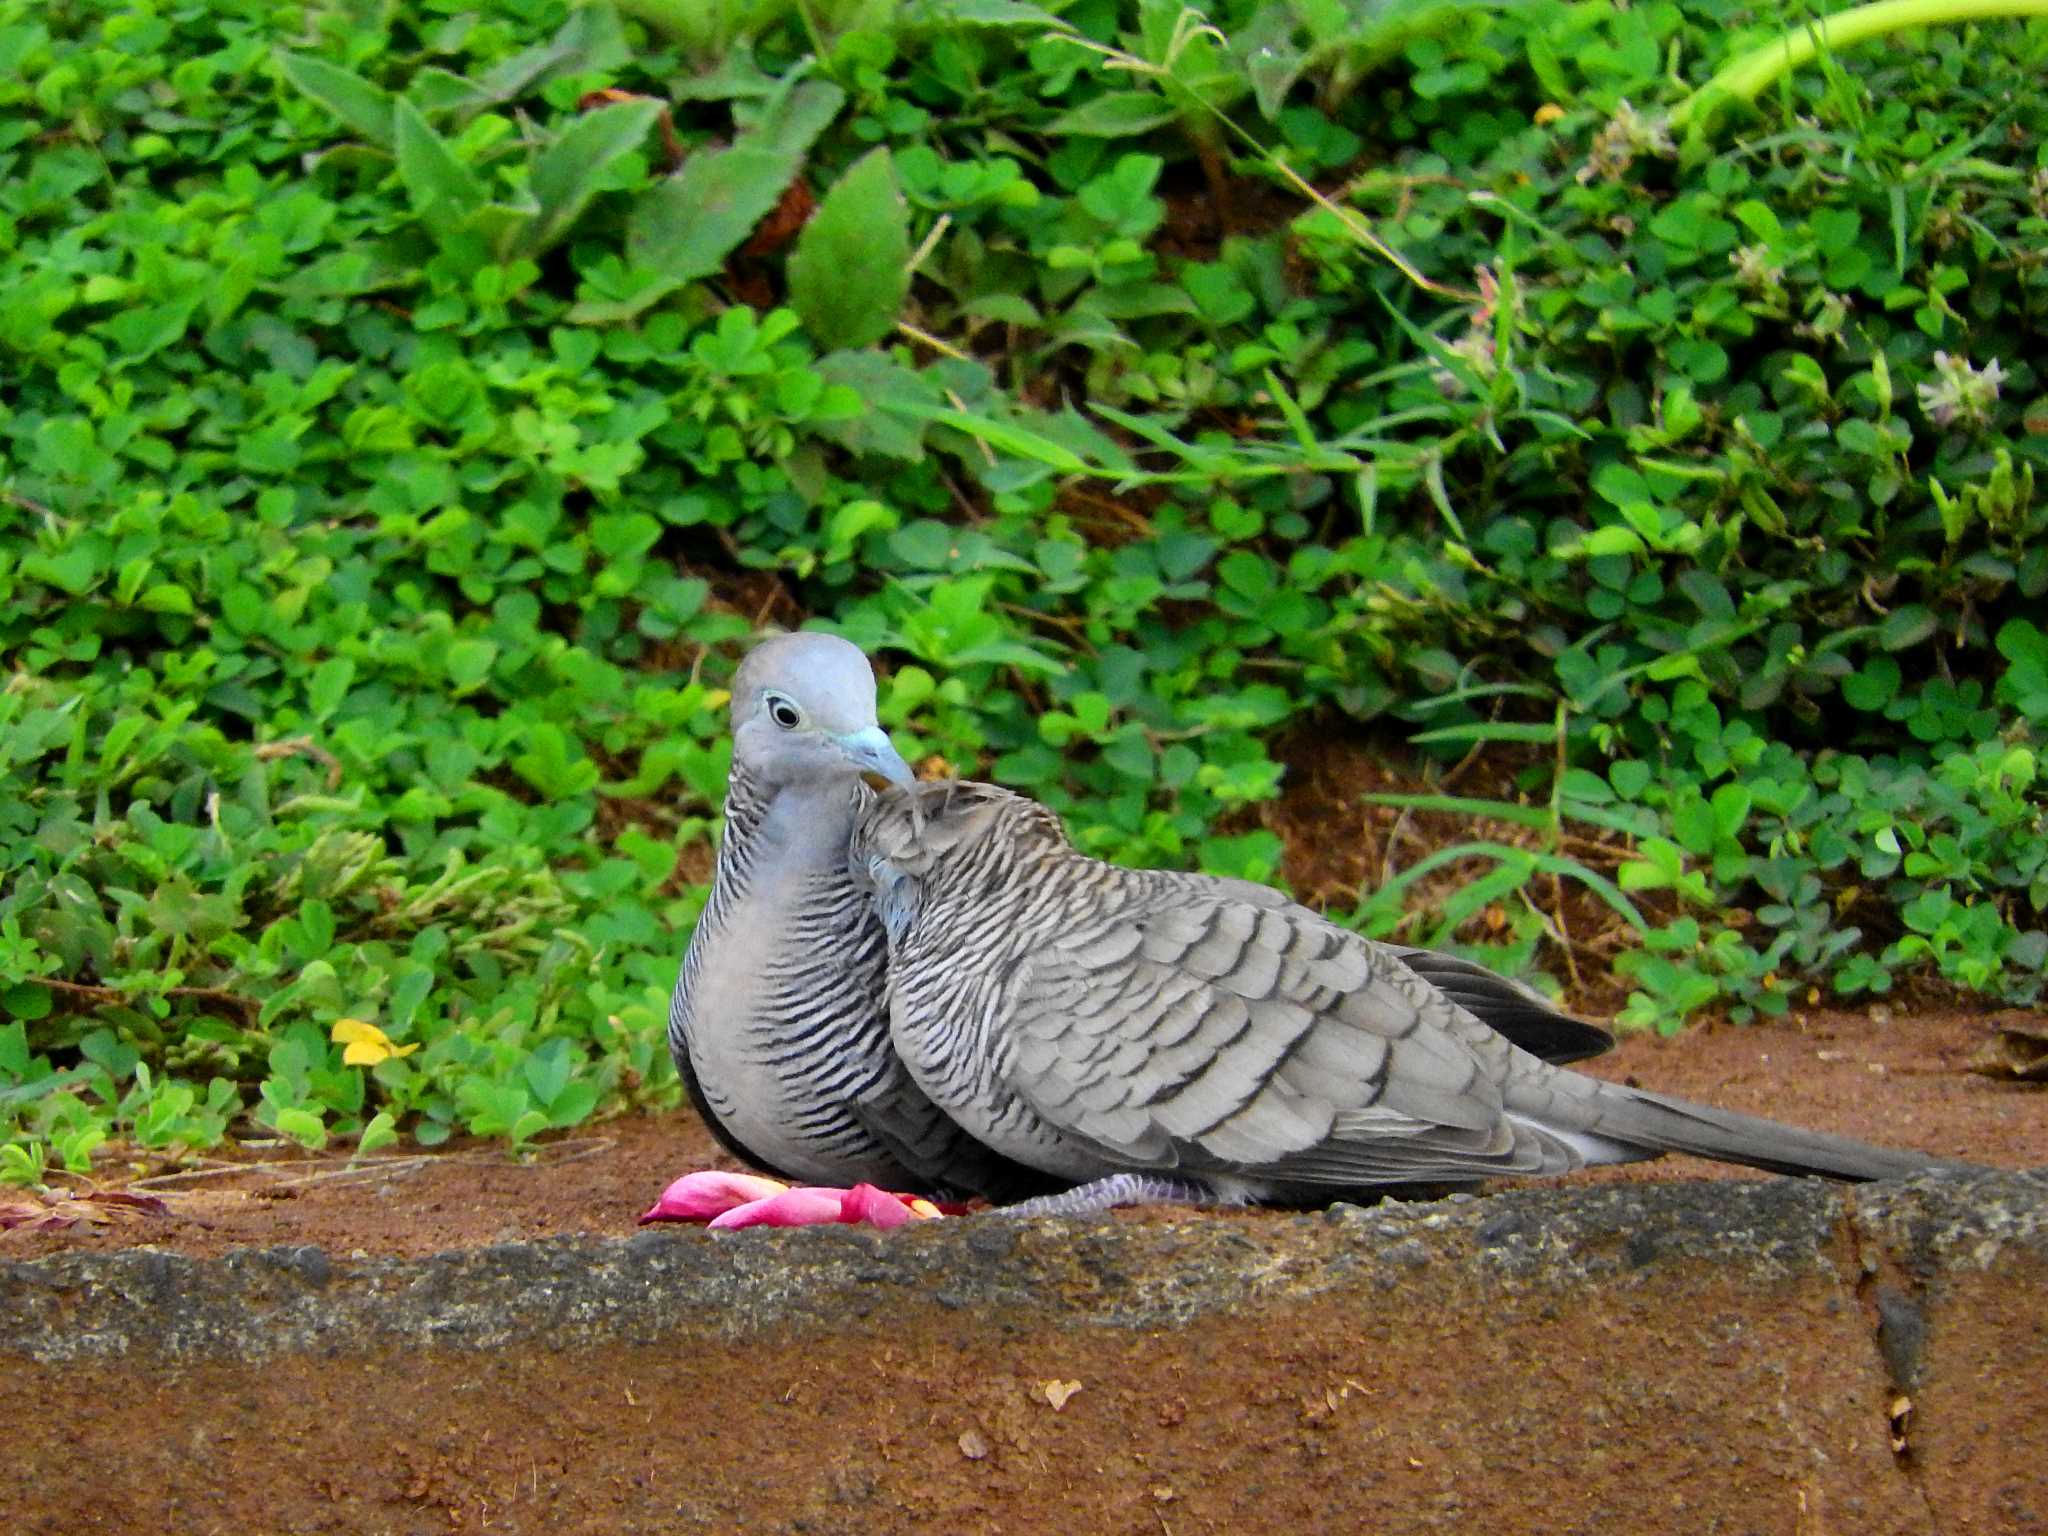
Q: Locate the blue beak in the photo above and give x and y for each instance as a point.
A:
(872, 751)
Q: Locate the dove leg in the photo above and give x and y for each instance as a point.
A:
(1118, 1189)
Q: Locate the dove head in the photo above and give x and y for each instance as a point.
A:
(803, 711)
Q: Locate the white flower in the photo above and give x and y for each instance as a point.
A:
(1961, 391)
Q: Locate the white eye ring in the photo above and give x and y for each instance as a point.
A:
(783, 712)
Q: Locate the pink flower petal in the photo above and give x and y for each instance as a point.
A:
(703, 1195)
(790, 1208)
(729, 1201)
(876, 1207)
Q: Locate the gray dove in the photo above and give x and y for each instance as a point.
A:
(777, 1024)
(1159, 1035)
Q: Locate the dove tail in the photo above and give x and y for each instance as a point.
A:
(1650, 1123)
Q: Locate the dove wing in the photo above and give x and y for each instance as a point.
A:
(1184, 1029)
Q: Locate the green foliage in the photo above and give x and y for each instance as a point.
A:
(685, 227)
(399, 437)
(850, 271)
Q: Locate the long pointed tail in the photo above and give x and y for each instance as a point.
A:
(1651, 1123)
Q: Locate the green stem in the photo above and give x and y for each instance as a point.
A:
(1741, 80)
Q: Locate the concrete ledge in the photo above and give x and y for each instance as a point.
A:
(1679, 1357)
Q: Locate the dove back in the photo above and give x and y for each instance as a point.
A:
(1100, 1022)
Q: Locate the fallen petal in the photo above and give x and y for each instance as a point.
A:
(790, 1208)
(729, 1201)
(148, 1204)
(711, 1192)
(19, 1213)
(876, 1207)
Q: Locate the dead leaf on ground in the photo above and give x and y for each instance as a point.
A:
(781, 225)
(2017, 1049)
(1057, 1392)
(97, 1209)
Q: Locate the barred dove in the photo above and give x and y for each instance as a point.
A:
(777, 1025)
(1169, 1035)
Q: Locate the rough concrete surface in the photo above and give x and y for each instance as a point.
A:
(1765, 1357)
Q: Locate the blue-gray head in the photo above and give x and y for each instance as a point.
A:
(803, 711)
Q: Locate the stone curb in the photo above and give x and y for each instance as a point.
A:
(1097, 1272)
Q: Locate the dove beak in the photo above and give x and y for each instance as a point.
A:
(872, 752)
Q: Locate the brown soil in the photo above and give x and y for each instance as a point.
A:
(1897, 1080)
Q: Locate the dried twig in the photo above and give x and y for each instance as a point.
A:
(302, 746)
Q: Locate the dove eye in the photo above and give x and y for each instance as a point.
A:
(784, 713)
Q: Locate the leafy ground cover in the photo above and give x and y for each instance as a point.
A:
(407, 415)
